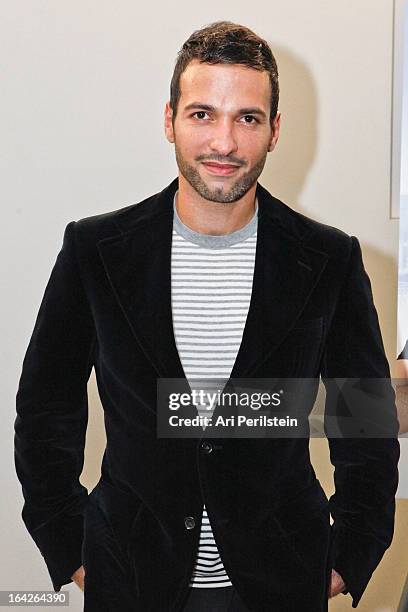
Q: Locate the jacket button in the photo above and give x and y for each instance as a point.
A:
(189, 522)
(206, 447)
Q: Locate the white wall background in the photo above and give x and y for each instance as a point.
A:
(83, 92)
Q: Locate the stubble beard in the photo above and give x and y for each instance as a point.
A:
(237, 190)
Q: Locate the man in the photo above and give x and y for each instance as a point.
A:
(212, 276)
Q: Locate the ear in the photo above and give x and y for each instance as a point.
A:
(168, 126)
(275, 132)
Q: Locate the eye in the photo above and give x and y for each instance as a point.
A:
(251, 117)
(199, 113)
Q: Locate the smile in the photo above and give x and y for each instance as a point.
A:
(220, 169)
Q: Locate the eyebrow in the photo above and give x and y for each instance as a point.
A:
(251, 110)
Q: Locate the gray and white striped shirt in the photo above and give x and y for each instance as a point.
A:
(211, 286)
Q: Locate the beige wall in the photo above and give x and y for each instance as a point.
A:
(82, 112)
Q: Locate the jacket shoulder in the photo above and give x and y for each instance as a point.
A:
(313, 234)
(99, 226)
(326, 237)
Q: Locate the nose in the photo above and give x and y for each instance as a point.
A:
(223, 140)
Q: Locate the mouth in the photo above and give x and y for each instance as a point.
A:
(220, 169)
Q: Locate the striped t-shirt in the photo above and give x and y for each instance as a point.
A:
(211, 286)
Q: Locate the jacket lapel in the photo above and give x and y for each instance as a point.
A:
(285, 275)
(138, 265)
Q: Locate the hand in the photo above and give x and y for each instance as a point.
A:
(78, 577)
(401, 393)
(337, 584)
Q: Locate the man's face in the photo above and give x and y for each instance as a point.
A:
(222, 116)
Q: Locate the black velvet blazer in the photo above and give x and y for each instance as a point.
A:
(107, 305)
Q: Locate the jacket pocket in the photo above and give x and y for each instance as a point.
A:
(120, 508)
(295, 513)
(305, 333)
(301, 349)
(300, 529)
(306, 324)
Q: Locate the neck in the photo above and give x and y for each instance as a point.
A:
(215, 218)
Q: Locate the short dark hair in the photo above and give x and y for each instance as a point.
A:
(224, 42)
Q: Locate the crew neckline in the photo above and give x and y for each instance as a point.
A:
(210, 241)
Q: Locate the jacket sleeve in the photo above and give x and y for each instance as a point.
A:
(365, 466)
(52, 414)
